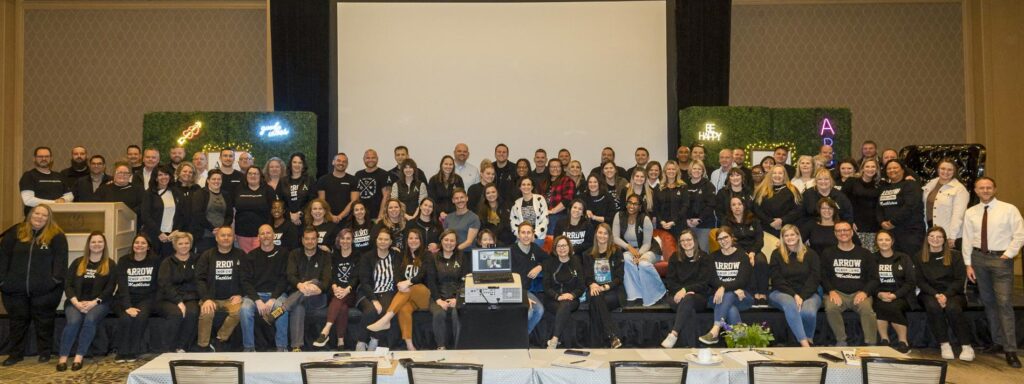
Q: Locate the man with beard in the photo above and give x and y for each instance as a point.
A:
(504, 171)
(373, 183)
(177, 154)
(133, 154)
(608, 154)
(79, 167)
(402, 153)
(85, 187)
(232, 179)
(40, 185)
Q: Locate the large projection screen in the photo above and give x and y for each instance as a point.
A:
(551, 75)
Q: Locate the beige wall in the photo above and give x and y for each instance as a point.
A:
(10, 157)
(897, 66)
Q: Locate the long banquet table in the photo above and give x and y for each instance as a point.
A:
(507, 366)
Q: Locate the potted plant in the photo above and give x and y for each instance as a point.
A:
(744, 335)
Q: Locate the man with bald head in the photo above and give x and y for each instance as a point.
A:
(720, 176)
(373, 183)
(470, 174)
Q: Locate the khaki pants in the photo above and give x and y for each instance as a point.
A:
(206, 322)
(868, 320)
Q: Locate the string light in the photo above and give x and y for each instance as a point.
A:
(212, 147)
(763, 145)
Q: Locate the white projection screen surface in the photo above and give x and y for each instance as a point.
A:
(552, 75)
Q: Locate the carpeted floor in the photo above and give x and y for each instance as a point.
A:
(988, 369)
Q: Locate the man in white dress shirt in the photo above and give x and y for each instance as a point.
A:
(993, 234)
(720, 176)
(470, 175)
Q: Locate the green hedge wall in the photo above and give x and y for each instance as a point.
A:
(240, 130)
(764, 128)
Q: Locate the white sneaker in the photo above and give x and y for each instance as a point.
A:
(947, 351)
(670, 341)
(552, 344)
(967, 354)
(373, 344)
(360, 347)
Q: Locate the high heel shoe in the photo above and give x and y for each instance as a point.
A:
(76, 366)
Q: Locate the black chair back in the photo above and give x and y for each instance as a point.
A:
(207, 372)
(904, 371)
(648, 372)
(444, 373)
(787, 372)
(924, 159)
(350, 372)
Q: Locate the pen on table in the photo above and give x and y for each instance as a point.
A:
(578, 361)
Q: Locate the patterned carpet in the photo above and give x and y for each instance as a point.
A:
(95, 371)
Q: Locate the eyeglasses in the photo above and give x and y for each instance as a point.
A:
(562, 246)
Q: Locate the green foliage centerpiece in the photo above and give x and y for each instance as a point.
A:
(744, 335)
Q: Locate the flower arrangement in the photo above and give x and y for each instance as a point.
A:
(747, 335)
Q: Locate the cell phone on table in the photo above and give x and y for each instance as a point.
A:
(576, 352)
(831, 357)
(342, 354)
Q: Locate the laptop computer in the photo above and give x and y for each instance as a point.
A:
(492, 265)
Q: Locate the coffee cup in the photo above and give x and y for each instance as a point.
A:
(704, 355)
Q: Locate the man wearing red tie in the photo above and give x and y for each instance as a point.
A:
(993, 235)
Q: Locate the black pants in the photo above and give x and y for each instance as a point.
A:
(940, 319)
(686, 310)
(440, 323)
(40, 310)
(908, 240)
(600, 312)
(130, 330)
(759, 276)
(894, 311)
(183, 329)
(370, 315)
(563, 313)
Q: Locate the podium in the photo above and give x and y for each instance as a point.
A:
(115, 220)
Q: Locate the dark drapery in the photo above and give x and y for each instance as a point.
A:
(304, 51)
(701, 30)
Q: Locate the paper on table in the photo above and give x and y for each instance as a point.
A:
(743, 357)
(653, 355)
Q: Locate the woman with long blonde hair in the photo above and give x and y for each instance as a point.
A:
(776, 201)
(796, 272)
(90, 290)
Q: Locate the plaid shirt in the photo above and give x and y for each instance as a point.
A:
(560, 192)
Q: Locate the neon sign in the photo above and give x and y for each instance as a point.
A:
(827, 133)
(191, 132)
(709, 133)
(273, 130)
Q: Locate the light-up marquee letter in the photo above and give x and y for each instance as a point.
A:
(273, 130)
(190, 132)
(709, 133)
(827, 133)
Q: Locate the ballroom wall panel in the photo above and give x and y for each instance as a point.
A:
(898, 66)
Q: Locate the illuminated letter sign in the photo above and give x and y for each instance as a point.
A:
(190, 132)
(709, 133)
(826, 132)
(273, 130)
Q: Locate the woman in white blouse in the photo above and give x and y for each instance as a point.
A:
(532, 208)
(945, 201)
(804, 178)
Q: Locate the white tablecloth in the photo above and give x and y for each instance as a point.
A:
(513, 366)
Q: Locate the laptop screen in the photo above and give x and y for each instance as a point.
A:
(492, 260)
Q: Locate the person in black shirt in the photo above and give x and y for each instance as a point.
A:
(564, 283)
(264, 284)
(734, 187)
(286, 234)
(820, 233)
(603, 265)
(941, 275)
(601, 206)
(90, 290)
(849, 279)
(442, 185)
(219, 280)
(309, 274)
(896, 284)
(122, 190)
(179, 295)
(344, 264)
(495, 216)
(445, 274)
(731, 277)
(317, 215)
(504, 172)
(136, 297)
(373, 183)
(901, 209)
(380, 270)
(361, 225)
(527, 258)
(824, 187)
(408, 187)
(776, 201)
(33, 261)
(671, 201)
(426, 220)
(211, 208)
(40, 185)
(297, 187)
(232, 179)
(79, 166)
(863, 193)
(401, 153)
(577, 228)
(687, 280)
(796, 271)
(84, 188)
(252, 203)
(338, 188)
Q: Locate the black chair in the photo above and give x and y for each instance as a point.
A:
(648, 372)
(445, 373)
(207, 372)
(351, 372)
(969, 159)
(787, 372)
(904, 371)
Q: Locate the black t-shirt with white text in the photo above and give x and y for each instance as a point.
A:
(337, 190)
(371, 188)
(49, 186)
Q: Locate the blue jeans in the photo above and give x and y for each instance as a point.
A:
(553, 221)
(642, 280)
(801, 321)
(249, 316)
(84, 322)
(729, 309)
(536, 312)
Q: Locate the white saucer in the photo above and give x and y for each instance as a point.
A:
(715, 359)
